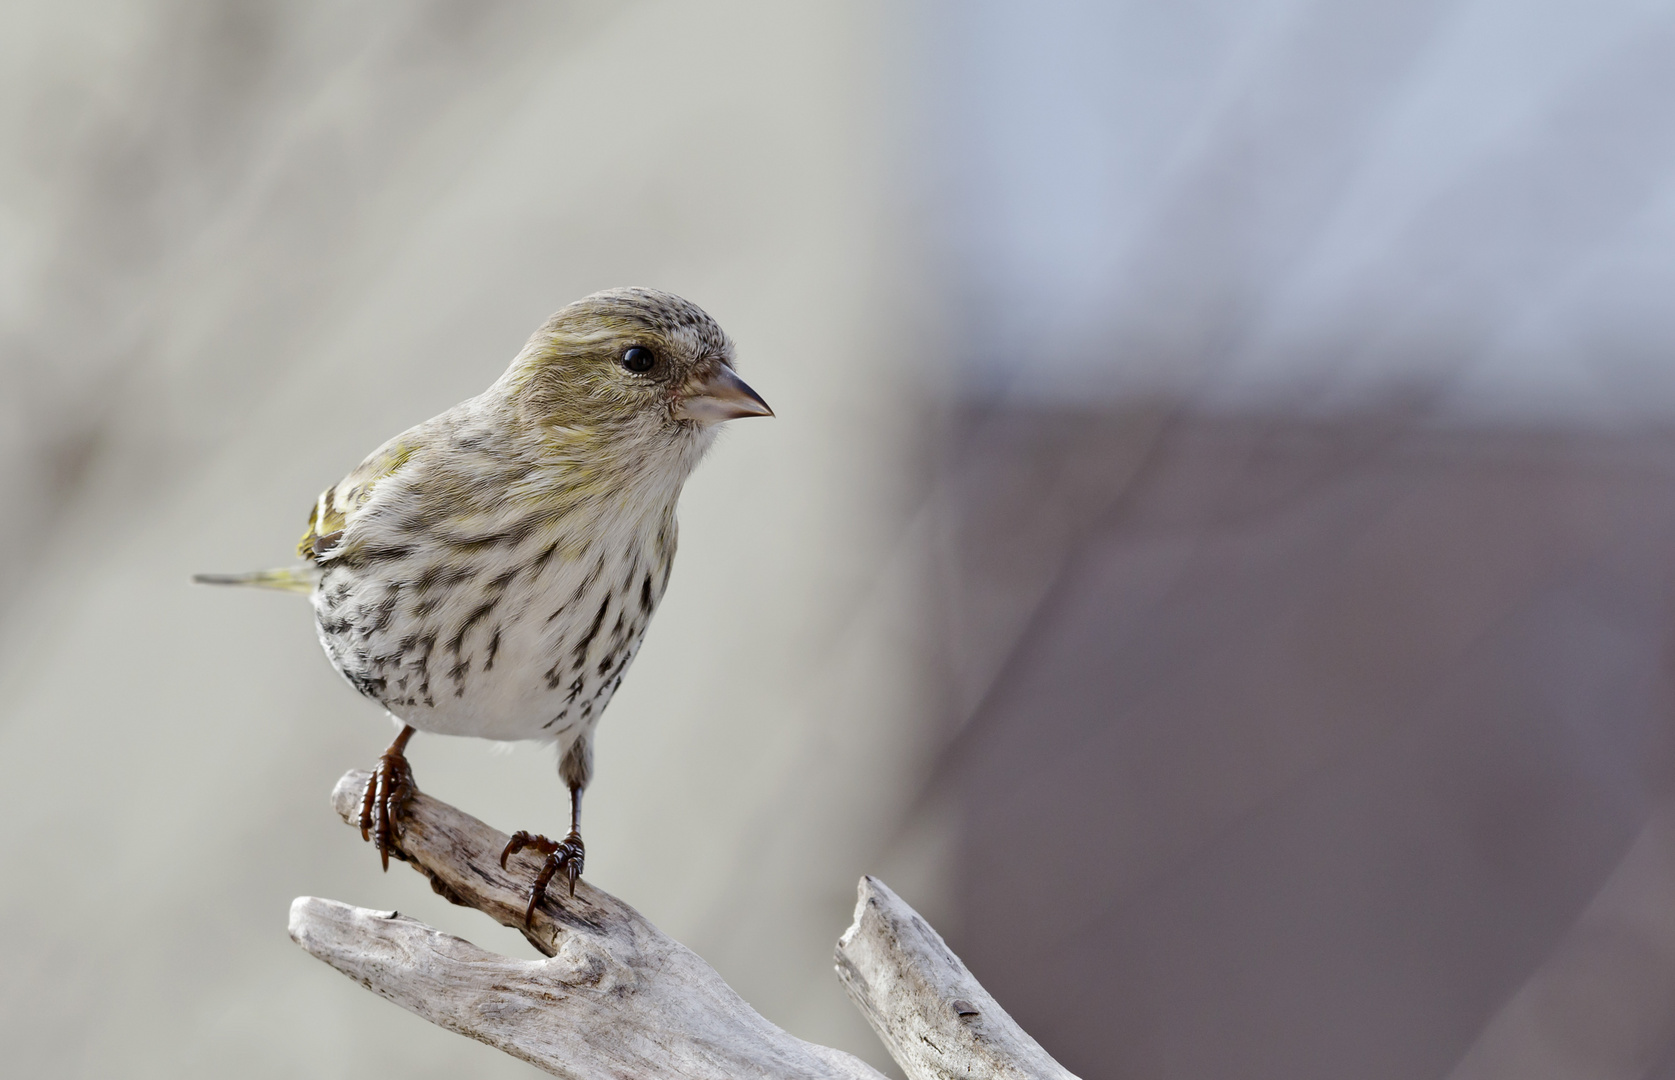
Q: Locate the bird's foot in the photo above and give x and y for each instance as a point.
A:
(387, 792)
(564, 855)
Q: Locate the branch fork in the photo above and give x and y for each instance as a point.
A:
(616, 997)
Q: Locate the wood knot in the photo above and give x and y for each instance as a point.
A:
(964, 1008)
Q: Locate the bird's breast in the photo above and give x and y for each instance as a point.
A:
(523, 638)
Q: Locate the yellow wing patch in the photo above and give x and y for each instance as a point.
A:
(339, 502)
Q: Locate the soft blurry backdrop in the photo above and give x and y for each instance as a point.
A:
(1213, 556)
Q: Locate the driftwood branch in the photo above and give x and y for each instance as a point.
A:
(616, 997)
(934, 1017)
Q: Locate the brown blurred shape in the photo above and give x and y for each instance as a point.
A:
(1314, 743)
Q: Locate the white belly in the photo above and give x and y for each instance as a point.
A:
(530, 645)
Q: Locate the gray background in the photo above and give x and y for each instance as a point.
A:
(246, 243)
(1211, 557)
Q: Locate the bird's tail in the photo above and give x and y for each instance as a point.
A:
(297, 579)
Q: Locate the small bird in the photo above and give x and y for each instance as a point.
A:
(492, 571)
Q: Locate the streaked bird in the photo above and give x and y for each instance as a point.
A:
(492, 571)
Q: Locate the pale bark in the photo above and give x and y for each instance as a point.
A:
(934, 1017)
(615, 997)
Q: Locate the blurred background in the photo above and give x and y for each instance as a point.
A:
(1213, 556)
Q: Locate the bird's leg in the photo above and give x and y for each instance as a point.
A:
(573, 839)
(566, 855)
(387, 791)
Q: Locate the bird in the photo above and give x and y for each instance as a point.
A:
(492, 571)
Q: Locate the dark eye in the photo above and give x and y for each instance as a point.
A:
(638, 359)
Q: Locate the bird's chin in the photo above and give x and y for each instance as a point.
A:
(697, 431)
(690, 436)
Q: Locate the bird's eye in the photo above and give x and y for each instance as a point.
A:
(638, 359)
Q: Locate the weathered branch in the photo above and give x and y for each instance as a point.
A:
(616, 997)
(936, 1019)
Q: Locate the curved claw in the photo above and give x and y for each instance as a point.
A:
(367, 798)
(521, 840)
(387, 791)
(540, 887)
(566, 855)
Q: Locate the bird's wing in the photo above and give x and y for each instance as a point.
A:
(338, 503)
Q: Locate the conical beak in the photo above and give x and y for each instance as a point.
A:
(719, 395)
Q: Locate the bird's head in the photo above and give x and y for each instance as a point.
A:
(631, 370)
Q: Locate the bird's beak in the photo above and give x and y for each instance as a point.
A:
(718, 395)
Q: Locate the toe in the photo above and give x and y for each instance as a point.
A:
(384, 819)
(516, 843)
(367, 798)
(539, 888)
